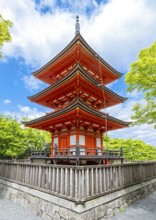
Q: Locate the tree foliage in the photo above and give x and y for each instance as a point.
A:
(4, 31)
(134, 150)
(16, 142)
(142, 78)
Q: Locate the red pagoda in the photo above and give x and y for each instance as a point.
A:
(77, 77)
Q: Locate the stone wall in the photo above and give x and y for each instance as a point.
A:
(51, 207)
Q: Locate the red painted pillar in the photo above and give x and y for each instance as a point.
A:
(107, 162)
(52, 146)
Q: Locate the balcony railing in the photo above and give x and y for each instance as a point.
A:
(85, 152)
(78, 152)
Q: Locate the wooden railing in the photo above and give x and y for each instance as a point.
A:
(77, 183)
(86, 152)
(78, 151)
(40, 153)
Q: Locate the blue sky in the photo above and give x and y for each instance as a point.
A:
(116, 29)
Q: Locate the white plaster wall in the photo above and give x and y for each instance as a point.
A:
(73, 139)
(56, 141)
(82, 139)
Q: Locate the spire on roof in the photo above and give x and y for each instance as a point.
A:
(77, 26)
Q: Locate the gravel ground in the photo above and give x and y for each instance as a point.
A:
(141, 210)
(144, 209)
(11, 211)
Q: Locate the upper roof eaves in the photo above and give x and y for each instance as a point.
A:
(71, 73)
(76, 39)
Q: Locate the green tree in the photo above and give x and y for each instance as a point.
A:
(142, 78)
(12, 138)
(4, 31)
(16, 142)
(134, 150)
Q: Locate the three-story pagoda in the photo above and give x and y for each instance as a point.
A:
(77, 77)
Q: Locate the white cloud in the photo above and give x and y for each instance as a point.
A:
(31, 82)
(31, 113)
(117, 29)
(36, 37)
(7, 101)
(143, 132)
(25, 111)
(121, 28)
(135, 95)
(124, 111)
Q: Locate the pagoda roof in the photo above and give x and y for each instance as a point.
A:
(76, 110)
(56, 89)
(78, 50)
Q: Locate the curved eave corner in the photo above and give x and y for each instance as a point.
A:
(37, 72)
(94, 53)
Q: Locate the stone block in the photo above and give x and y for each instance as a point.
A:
(116, 211)
(45, 216)
(43, 205)
(39, 212)
(110, 212)
(130, 201)
(105, 209)
(27, 196)
(32, 207)
(13, 197)
(34, 200)
(56, 216)
(99, 212)
(88, 215)
(115, 204)
(64, 213)
(74, 216)
(23, 202)
(50, 209)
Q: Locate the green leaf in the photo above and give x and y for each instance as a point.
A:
(16, 141)
(134, 150)
(4, 31)
(142, 78)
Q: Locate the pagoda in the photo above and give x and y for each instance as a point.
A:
(77, 93)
